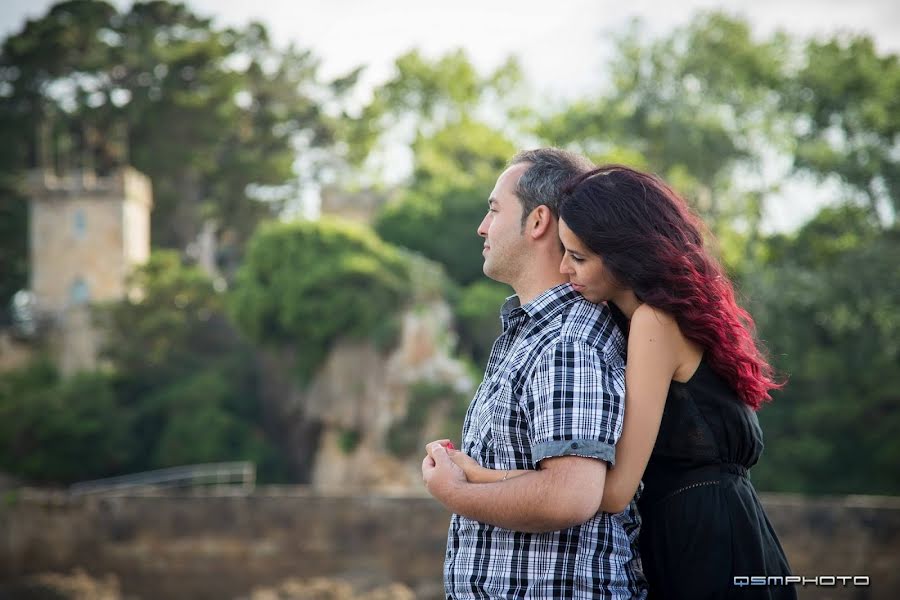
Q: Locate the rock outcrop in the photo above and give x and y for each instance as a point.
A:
(336, 428)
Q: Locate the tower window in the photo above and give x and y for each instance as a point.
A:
(79, 292)
(80, 224)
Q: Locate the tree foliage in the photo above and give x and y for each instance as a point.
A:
(847, 98)
(457, 157)
(221, 118)
(693, 105)
(180, 387)
(826, 305)
(61, 430)
(215, 117)
(432, 93)
(171, 325)
(477, 310)
(306, 284)
(438, 213)
(186, 375)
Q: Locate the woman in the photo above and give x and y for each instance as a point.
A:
(694, 378)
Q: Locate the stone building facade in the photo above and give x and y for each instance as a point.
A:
(86, 235)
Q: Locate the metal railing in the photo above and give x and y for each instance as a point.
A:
(218, 478)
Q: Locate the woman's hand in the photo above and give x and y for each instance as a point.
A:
(475, 473)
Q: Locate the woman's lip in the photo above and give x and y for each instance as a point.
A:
(577, 287)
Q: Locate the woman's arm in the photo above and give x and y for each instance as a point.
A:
(654, 346)
(475, 473)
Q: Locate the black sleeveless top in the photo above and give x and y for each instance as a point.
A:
(704, 424)
(702, 522)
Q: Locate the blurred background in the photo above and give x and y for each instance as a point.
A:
(238, 263)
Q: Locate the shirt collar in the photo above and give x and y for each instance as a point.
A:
(546, 304)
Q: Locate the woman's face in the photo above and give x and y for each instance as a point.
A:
(585, 268)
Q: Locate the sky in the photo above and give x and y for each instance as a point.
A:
(561, 45)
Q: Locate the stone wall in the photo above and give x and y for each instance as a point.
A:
(222, 547)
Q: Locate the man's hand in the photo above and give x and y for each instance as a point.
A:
(475, 473)
(440, 474)
(444, 442)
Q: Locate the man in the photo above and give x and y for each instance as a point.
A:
(551, 402)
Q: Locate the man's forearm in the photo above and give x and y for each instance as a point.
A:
(537, 501)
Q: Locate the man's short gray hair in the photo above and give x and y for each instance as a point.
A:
(543, 182)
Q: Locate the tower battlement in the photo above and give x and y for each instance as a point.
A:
(122, 183)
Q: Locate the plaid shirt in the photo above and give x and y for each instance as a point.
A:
(554, 386)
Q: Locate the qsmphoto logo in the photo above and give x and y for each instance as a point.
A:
(818, 580)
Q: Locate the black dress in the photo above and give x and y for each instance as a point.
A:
(702, 522)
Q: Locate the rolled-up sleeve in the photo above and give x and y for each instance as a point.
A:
(576, 403)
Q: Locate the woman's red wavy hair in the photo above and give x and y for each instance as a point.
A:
(652, 243)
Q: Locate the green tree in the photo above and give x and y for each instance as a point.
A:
(201, 425)
(438, 214)
(847, 101)
(464, 124)
(426, 96)
(826, 304)
(433, 93)
(306, 284)
(697, 106)
(477, 311)
(54, 430)
(189, 380)
(216, 117)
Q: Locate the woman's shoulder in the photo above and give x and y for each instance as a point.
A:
(649, 319)
(653, 333)
(655, 328)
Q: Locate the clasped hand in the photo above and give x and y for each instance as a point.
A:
(445, 468)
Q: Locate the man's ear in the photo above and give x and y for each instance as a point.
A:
(540, 222)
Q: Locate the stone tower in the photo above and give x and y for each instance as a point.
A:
(87, 233)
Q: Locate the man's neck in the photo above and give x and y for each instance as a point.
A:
(530, 288)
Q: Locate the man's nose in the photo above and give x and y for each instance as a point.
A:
(483, 228)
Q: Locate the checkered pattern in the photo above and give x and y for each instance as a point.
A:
(554, 386)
